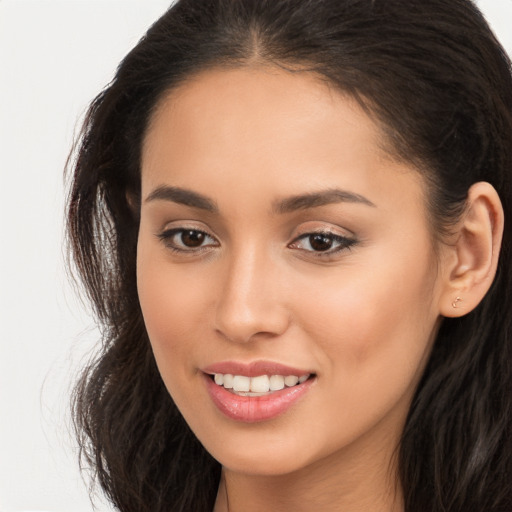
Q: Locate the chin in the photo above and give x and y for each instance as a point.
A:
(265, 464)
(262, 455)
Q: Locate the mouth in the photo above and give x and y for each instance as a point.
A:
(256, 392)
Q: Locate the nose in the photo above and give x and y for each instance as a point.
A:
(251, 299)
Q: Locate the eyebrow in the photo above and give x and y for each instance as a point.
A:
(316, 199)
(288, 205)
(183, 196)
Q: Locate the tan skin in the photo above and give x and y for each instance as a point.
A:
(253, 284)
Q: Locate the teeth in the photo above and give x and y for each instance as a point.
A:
(276, 382)
(228, 381)
(259, 384)
(241, 383)
(291, 380)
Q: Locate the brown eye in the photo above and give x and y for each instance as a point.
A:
(320, 242)
(187, 240)
(192, 238)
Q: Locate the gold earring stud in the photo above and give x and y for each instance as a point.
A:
(455, 303)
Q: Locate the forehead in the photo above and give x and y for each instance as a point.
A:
(277, 130)
(275, 104)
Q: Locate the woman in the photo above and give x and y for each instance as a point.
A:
(289, 216)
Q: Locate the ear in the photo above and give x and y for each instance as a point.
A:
(133, 201)
(470, 263)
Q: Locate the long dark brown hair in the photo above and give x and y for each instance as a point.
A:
(435, 78)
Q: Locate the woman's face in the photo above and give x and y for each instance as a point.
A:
(278, 240)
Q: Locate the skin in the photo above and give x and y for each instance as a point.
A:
(363, 319)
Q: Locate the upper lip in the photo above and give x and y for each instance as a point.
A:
(253, 369)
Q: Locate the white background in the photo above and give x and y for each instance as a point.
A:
(55, 55)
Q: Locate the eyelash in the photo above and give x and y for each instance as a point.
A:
(343, 242)
(168, 235)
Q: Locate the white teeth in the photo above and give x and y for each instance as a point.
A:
(258, 385)
(228, 381)
(241, 383)
(276, 382)
(291, 380)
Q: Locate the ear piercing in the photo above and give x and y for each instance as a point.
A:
(455, 303)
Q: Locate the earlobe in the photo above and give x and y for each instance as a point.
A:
(473, 260)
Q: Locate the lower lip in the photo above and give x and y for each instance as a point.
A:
(251, 409)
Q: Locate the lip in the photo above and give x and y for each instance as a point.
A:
(252, 409)
(254, 369)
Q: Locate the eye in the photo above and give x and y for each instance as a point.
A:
(322, 242)
(187, 240)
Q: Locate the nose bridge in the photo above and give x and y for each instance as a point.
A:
(249, 296)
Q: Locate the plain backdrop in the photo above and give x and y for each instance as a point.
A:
(55, 55)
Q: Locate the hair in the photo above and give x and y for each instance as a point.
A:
(433, 76)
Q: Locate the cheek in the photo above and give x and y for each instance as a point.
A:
(171, 303)
(368, 320)
(372, 335)
(172, 309)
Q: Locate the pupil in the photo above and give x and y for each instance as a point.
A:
(192, 238)
(320, 242)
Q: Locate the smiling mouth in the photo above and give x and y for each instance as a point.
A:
(257, 392)
(261, 385)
